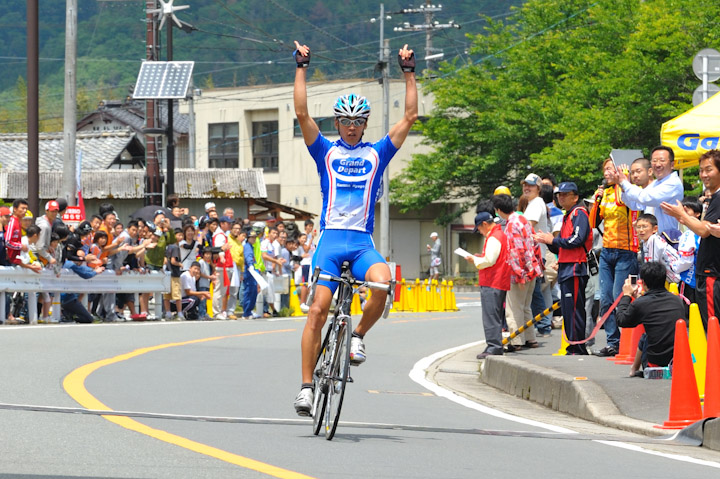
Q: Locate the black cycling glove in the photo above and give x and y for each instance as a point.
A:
(302, 60)
(408, 66)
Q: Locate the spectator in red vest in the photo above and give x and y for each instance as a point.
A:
(494, 280)
(571, 246)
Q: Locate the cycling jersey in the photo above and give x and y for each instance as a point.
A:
(350, 181)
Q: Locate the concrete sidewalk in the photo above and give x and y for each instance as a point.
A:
(589, 387)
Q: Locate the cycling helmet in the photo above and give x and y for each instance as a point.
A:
(353, 106)
(84, 228)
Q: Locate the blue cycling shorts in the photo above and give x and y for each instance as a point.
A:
(338, 246)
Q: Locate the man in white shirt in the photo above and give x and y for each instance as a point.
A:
(667, 187)
(537, 214)
(191, 297)
(273, 265)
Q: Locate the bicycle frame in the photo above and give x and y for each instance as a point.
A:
(333, 363)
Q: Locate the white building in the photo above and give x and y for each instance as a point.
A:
(255, 127)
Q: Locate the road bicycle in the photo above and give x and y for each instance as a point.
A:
(332, 369)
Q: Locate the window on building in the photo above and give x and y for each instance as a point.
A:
(265, 145)
(326, 125)
(223, 142)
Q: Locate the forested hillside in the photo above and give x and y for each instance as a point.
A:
(236, 43)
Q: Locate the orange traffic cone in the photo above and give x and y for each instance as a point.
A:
(712, 371)
(625, 354)
(637, 333)
(684, 400)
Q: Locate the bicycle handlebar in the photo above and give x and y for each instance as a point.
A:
(317, 275)
(354, 282)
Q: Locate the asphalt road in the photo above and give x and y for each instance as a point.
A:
(246, 370)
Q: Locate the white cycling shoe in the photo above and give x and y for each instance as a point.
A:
(304, 402)
(357, 351)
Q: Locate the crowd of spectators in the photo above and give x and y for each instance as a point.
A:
(639, 221)
(237, 257)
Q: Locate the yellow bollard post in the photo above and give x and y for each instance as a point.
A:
(442, 296)
(295, 299)
(209, 301)
(563, 342)
(698, 347)
(673, 288)
(420, 296)
(429, 296)
(451, 305)
(409, 292)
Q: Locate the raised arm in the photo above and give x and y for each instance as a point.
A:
(400, 130)
(308, 126)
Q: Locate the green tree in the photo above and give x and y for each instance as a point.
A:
(554, 91)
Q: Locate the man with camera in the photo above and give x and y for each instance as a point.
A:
(655, 308)
(571, 246)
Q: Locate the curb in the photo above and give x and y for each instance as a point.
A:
(560, 392)
(711, 434)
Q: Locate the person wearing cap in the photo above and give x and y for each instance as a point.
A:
(435, 260)
(525, 267)
(251, 286)
(618, 258)
(494, 280)
(45, 223)
(210, 210)
(537, 214)
(502, 190)
(571, 246)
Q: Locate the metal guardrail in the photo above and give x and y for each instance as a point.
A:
(19, 279)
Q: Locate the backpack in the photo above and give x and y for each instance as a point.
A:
(672, 237)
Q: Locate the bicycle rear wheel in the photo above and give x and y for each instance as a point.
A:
(337, 378)
(320, 384)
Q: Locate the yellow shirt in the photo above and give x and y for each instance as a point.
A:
(618, 231)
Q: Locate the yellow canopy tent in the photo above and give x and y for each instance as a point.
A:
(693, 133)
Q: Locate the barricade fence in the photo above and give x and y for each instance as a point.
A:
(412, 296)
(14, 279)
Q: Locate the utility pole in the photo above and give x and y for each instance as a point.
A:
(191, 135)
(429, 27)
(69, 179)
(153, 187)
(170, 148)
(33, 126)
(383, 66)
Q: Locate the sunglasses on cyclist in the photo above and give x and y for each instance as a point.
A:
(351, 121)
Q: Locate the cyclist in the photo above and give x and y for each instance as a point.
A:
(351, 181)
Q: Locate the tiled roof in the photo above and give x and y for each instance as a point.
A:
(99, 150)
(132, 114)
(128, 184)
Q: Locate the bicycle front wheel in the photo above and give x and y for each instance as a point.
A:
(338, 377)
(321, 386)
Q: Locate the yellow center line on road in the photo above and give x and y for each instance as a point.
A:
(74, 385)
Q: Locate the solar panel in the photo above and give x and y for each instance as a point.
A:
(163, 80)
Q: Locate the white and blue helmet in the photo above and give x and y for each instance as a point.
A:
(352, 106)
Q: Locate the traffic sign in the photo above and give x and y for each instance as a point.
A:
(707, 61)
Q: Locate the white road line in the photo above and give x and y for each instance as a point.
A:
(418, 374)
